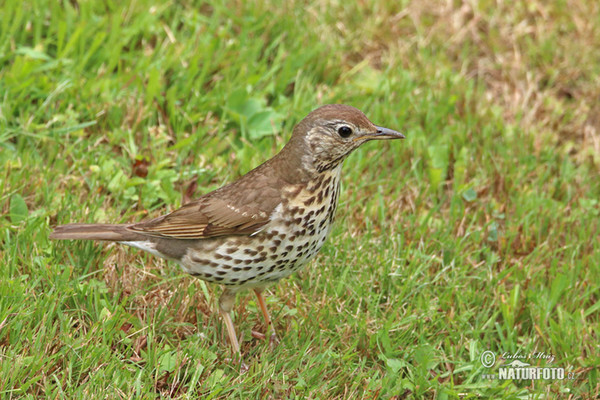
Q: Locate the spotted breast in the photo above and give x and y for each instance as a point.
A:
(296, 232)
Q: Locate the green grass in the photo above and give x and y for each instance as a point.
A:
(478, 232)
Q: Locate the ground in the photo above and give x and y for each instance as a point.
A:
(478, 233)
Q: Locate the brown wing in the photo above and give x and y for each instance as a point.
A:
(235, 209)
(203, 219)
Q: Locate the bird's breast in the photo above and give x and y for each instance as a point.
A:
(296, 231)
(307, 215)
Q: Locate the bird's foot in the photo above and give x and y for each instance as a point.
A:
(238, 360)
(273, 340)
(243, 367)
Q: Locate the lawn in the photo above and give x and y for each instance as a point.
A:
(478, 233)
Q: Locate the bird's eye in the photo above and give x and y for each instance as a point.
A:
(345, 131)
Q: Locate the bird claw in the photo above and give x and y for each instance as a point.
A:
(238, 359)
(244, 367)
(273, 340)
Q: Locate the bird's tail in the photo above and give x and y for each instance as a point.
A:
(114, 233)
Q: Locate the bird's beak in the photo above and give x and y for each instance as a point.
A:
(385, 133)
(382, 133)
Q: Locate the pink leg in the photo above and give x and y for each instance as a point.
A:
(273, 341)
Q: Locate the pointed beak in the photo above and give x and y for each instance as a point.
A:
(385, 133)
(381, 134)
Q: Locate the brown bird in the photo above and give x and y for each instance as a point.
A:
(262, 227)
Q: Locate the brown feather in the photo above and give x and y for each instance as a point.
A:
(115, 233)
(239, 208)
(234, 209)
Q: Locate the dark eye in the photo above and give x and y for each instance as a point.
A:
(345, 131)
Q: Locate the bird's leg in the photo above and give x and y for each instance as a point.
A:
(273, 341)
(226, 302)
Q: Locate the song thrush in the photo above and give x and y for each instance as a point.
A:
(262, 227)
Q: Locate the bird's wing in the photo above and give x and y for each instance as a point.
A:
(236, 209)
(204, 219)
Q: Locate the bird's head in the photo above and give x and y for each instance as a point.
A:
(331, 132)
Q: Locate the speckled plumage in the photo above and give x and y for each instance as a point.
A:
(295, 232)
(262, 227)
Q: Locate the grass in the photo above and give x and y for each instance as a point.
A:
(479, 232)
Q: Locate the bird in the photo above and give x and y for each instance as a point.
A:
(261, 228)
